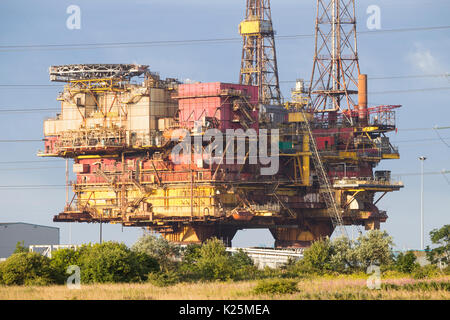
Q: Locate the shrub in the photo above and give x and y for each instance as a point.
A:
(191, 253)
(158, 248)
(393, 273)
(318, 256)
(38, 281)
(423, 286)
(343, 256)
(114, 262)
(244, 268)
(406, 262)
(276, 286)
(20, 247)
(446, 270)
(188, 266)
(26, 268)
(268, 272)
(164, 279)
(241, 259)
(374, 248)
(1, 272)
(301, 268)
(440, 238)
(215, 268)
(62, 259)
(211, 261)
(427, 271)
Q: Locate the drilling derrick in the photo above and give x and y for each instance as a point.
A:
(259, 61)
(334, 78)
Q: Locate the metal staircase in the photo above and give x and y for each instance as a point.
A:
(325, 187)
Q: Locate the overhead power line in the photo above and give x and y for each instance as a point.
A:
(410, 90)
(30, 169)
(31, 186)
(436, 75)
(18, 140)
(31, 161)
(440, 138)
(443, 172)
(95, 45)
(439, 75)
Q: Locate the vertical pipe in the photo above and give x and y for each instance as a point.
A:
(192, 194)
(101, 237)
(362, 99)
(67, 184)
(306, 166)
(67, 198)
(333, 44)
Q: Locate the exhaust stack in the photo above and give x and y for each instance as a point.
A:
(362, 99)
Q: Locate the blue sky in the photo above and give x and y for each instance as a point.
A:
(381, 54)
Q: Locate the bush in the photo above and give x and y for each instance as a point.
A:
(240, 259)
(423, 286)
(215, 267)
(276, 286)
(374, 248)
(26, 268)
(20, 247)
(427, 271)
(406, 262)
(343, 257)
(211, 261)
(62, 259)
(393, 273)
(301, 268)
(440, 238)
(38, 281)
(318, 256)
(446, 270)
(164, 279)
(114, 262)
(268, 272)
(189, 257)
(158, 248)
(191, 253)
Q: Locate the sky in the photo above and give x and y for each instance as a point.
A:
(422, 54)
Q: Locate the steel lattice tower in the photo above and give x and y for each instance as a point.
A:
(334, 78)
(259, 62)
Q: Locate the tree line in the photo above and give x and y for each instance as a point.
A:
(153, 259)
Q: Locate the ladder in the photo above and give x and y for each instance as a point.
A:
(325, 188)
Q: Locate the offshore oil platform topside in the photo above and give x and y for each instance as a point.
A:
(120, 135)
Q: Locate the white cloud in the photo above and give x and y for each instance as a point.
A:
(422, 59)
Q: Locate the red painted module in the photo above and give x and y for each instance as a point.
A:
(200, 100)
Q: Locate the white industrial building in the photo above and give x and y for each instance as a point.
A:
(29, 234)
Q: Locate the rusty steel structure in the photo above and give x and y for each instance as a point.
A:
(334, 79)
(144, 151)
(259, 62)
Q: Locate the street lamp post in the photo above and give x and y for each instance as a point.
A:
(422, 160)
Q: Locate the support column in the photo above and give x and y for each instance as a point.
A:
(200, 233)
(301, 237)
